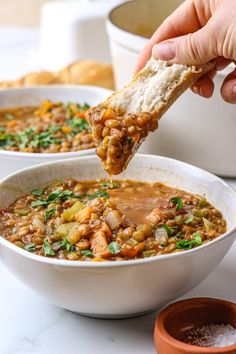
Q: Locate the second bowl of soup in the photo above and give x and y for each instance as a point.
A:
(43, 124)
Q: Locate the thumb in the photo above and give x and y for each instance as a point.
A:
(228, 89)
(192, 49)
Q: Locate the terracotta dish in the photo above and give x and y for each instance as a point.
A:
(181, 316)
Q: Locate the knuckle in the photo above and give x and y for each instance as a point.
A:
(228, 49)
(191, 48)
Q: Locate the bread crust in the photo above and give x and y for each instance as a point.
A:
(182, 86)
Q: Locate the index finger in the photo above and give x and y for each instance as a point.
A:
(185, 19)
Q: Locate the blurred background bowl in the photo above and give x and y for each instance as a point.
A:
(12, 161)
(195, 130)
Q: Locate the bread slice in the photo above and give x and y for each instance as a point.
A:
(123, 121)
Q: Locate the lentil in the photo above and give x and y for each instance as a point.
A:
(127, 131)
(100, 220)
(49, 128)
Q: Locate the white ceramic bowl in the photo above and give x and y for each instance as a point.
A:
(195, 130)
(11, 161)
(122, 288)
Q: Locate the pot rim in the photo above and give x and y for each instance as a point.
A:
(135, 42)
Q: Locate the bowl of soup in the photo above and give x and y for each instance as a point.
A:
(40, 124)
(118, 247)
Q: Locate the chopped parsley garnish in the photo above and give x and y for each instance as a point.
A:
(189, 219)
(67, 194)
(77, 125)
(25, 137)
(168, 229)
(42, 136)
(189, 244)
(178, 202)
(98, 194)
(62, 195)
(49, 213)
(47, 249)
(37, 192)
(83, 107)
(30, 247)
(54, 128)
(39, 202)
(28, 138)
(65, 245)
(114, 247)
(7, 140)
(44, 140)
(109, 185)
(87, 253)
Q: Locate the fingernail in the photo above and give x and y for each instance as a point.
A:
(164, 51)
(234, 89)
(198, 90)
(195, 89)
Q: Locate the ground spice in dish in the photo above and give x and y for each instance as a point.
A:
(213, 335)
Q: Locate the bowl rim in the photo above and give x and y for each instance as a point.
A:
(160, 330)
(132, 262)
(21, 154)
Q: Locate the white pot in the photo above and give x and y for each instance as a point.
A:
(121, 288)
(195, 130)
(11, 161)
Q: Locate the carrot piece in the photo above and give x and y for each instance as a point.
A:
(108, 114)
(66, 130)
(45, 107)
(98, 259)
(84, 214)
(132, 252)
(12, 123)
(98, 243)
(106, 254)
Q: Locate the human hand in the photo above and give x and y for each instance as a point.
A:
(199, 31)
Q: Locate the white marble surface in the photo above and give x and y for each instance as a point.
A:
(28, 324)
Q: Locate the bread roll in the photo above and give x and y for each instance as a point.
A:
(86, 72)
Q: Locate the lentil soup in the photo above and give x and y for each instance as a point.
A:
(118, 135)
(100, 220)
(50, 128)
